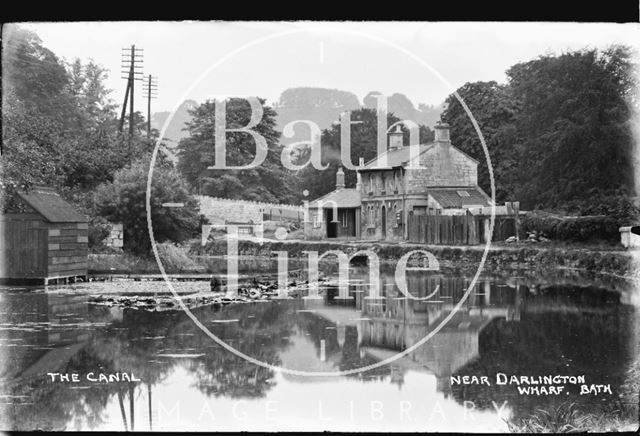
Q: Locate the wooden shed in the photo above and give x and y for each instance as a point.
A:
(44, 240)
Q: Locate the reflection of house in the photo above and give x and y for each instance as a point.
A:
(425, 179)
(402, 323)
(392, 323)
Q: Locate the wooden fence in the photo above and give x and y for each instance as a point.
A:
(457, 229)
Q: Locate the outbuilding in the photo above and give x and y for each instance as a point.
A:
(45, 240)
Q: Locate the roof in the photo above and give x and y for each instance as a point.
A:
(396, 157)
(455, 197)
(400, 157)
(345, 198)
(50, 205)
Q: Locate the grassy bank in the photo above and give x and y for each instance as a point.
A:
(501, 257)
(175, 258)
(515, 257)
(568, 418)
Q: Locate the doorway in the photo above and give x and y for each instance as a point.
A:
(332, 227)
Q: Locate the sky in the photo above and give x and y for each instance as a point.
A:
(425, 61)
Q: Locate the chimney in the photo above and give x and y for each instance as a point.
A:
(442, 132)
(395, 138)
(358, 175)
(340, 179)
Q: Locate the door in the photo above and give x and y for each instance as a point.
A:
(384, 222)
(332, 227)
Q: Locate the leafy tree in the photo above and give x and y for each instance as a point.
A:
(558, 133)
(124, 200)
(266, 182)
(59, 126)
(574, 130)
(494, 109)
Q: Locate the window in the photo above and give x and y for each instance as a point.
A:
(345, 221)
(316, 220)
(372, 216)
(463, 193)
(395, 215)
(420, 210)
(370, 182)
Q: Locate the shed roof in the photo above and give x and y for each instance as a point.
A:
(459, 197)
(344, 198)
(51, 206)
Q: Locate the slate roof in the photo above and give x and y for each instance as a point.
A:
(450, 198)
(399, 157)
(395, 158)
(50, 205)
(345, 198)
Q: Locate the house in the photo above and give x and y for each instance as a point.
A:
(336, 214)
(405, 181)
(45, 239)
(427, 179)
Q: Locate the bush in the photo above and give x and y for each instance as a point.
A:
(99, 229)
(575, 229)
(124, 201)
(175, 258)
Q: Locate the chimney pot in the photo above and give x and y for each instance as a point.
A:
(395, 138)
(358, 175)
(442, 132)
(340, 179)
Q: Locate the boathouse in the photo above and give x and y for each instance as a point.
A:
(45, 239)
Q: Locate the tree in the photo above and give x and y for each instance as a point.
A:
(574, 131)
(59, 125)
(266, 182)
(124, 201)
(494, 109)
(558, 133)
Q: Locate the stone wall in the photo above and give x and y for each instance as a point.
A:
(116, 236)
(221, 210)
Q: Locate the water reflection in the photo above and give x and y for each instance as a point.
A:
(511, 326)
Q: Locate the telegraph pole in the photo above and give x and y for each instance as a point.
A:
(150, 87)
(131, 66)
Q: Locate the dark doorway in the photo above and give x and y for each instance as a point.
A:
(332, 227)
(384, 222)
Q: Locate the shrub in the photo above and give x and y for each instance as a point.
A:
(175, 258)
(576, 229)
(124, 200)
(99, 229)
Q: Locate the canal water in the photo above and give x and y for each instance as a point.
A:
(522, 326)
